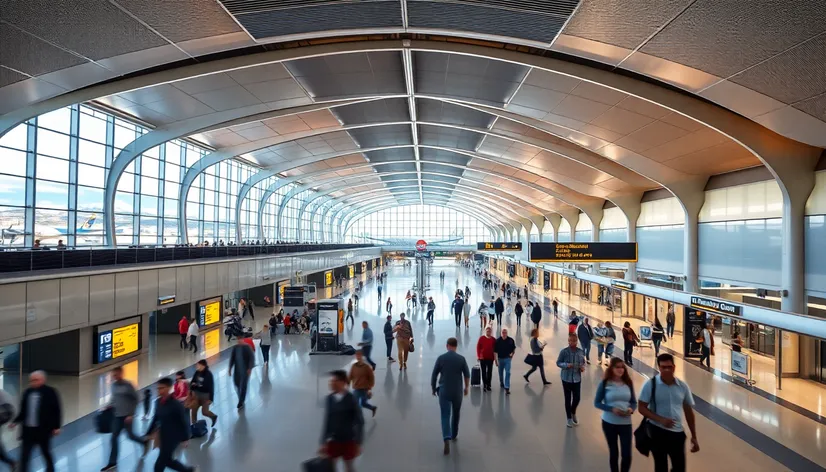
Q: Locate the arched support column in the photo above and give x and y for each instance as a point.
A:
(630, 206)
(691, 195)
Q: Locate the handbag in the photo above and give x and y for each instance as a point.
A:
(103, 421)
(531, 359)
(318, 464)
(191, 401)
(412, 347)
(643, 433)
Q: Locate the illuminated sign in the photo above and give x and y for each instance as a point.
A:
(166, 300)
(209, 311)
(498, 246)
(212, 342)
(421, 245)
(118, 342)
(622, 284)
(328, 278)
(583, 252)
(716, 306)
(352, 271)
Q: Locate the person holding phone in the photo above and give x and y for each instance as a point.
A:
(615, 397)
(572, 362)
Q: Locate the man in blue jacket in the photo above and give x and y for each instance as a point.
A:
(171, 425)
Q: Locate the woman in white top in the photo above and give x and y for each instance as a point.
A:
(192, 333)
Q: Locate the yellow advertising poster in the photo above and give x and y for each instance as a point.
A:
(328, 278)
(212, 342)
(125, 340)
(352, 271)
(212, 313)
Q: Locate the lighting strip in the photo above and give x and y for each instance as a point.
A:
(407, 59)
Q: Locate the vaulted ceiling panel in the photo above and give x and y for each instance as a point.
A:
(376, 111)
(378, 136)
(347, 75)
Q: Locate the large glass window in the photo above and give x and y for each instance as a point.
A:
(412, 222)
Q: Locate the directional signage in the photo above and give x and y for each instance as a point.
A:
(498, 246)
(717, 306)
(583, 252)
(622, 284)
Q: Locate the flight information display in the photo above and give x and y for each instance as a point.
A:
(484, 246)
(209, 311)
(118, 342)
(583, 252)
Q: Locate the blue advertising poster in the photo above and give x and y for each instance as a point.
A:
(104, 346)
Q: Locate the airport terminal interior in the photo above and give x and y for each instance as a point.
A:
(218, 161)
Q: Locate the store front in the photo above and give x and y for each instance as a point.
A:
(728, 325)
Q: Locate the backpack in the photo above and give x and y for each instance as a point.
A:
(199, 429)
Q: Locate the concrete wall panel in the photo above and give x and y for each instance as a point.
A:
(101, 298)
(147, 291)
(183, 283)
(42, 306)
(74, 301)
(211, 284)
(12, 311)
(126, 294)
(167, 284)
(196, 281)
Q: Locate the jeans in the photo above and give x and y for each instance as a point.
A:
(586, 346)
(265, 352)
(450, 406)
(656, 340)
(487, 371)
(193, 343)
(183, 341)
(499, 317)
(241, 382)
(31, 438)
(118, 425)
(667, 444)
(429, 317)
(4, 456)
(628, 353)
(518, 320)
(366, 350)
(505, 372)
(165, 460)
(623, 432)
(571, 391)
(363, 401)
(458, 318)
(389, 342)
(600, 351)
(706, 356)
(669, 328)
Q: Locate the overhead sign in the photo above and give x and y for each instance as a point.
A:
(622, 284)
(209, 311)
(483, 246)
(716, 306)
(351, 271)
(421, 245)
(166, 300)
(118, 342)
(583, 252)
(328, 278)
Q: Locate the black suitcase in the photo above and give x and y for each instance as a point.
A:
(476, 376)
(318, 464)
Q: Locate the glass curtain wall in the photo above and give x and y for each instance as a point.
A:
(428, 222)
(55, 167)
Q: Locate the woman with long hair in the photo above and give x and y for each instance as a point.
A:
(202, 386)
(617, 400)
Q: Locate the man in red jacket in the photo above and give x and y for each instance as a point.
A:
(485, 355)
(183, 327)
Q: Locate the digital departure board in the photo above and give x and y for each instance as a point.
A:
(498, 246)
(209, 311)
(328, 278)
(583, 252)
(117, 342)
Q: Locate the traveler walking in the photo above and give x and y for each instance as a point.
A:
(670, 321)
(457, 306)
(585, 335)
(431, 308)
(446, 382)
(536, 315)
(388, 338)
(485, 354)
(241, 362)
(170, 427)
(180, 389)
(707, 349)
(466, 312)
(407, 298)
(658, 335)
(183, 330)
(367, 343)
(404, 337)
(610, 339)
(379, 290)
(518, 310)
(504, 347)
(629, 340)
(491, 310)
(343, 428)
(265, 335)
(572, 362)
(40, 414)
(362, 380)
(389, 306)
(500, 308)
(573, 322)
(555, 305)
(483, 314)
(7, 413)
(202, 387)
(664, 400)
(123, 403)
(350, 311)
(192, 332)
(599, 337)
(535, 359)
(615, 397)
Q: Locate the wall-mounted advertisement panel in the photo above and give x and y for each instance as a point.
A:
(209, 311)
(117, 340)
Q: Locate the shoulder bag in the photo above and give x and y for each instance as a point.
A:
(644, 432)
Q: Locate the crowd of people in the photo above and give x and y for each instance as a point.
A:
(664, 401)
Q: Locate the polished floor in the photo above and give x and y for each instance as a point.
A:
(525, 431)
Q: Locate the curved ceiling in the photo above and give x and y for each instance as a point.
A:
(384, 109)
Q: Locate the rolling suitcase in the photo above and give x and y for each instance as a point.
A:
(199, 429)
(476, 376)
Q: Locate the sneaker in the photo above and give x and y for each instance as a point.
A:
(214, 421)
(526, 378)
(574, 420)
(447, 447)
(507, 391)
(374, 411)
(109, 467)
(546, 383)
(570, 423)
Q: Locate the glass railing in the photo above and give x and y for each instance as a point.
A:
(53, 259)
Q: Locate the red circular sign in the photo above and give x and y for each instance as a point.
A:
(421, 245)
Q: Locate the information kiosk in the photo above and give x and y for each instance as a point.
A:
(326, 332)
